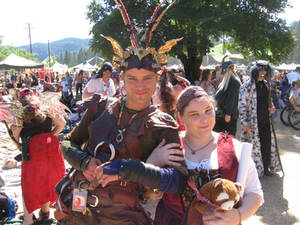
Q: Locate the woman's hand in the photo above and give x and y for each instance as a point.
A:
(168, 154)
(228, 217)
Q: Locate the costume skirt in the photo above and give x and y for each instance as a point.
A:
(42, 172)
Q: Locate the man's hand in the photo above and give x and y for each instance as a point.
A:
(246, 128)
(104, 179)
(227, 118)
(89, 172)
(271, 111)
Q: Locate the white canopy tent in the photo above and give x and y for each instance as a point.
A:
(85, 67)
(17, 62)
(60, 68)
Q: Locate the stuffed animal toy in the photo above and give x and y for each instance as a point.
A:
(219, 194)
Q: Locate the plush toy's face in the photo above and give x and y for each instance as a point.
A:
(222, 192)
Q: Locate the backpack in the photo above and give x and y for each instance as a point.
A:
(7, 207)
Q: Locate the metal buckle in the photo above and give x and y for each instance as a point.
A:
(83, 182)
(123, 183)
(111, 147)
(96, 201)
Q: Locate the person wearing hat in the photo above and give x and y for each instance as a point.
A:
(101, 84)
(128, 127)
(227, 100)
(255, 110)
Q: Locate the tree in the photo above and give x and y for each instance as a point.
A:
(295, 55)
(7, 50)
(249, 26)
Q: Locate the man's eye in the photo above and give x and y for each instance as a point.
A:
(208, 111)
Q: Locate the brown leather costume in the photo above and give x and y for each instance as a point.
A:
(119, 201)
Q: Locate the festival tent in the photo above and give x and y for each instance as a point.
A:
(218, 52)
(17, 62)
(60, 68)
(85, 66)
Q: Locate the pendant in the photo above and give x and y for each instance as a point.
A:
(119, 137)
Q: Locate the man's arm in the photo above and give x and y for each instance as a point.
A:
(71, 147)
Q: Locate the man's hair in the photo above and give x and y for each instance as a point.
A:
(297, 68)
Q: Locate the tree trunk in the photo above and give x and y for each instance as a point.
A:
(191, 64)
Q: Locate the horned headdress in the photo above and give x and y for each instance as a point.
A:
(139, 54)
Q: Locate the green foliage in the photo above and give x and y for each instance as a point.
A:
(295, 55)
(7, 50)
(51, 62)
(252, 26)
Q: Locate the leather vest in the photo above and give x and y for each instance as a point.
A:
(144, 123)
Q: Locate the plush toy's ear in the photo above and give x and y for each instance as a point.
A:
(238, 186)
(217, 182)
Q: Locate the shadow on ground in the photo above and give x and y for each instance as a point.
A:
(275, 208)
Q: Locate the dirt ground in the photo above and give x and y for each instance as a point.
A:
(281, 194)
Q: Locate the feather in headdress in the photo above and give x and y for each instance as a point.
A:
(121, 57)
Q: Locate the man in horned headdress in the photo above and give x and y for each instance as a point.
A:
(126, 128)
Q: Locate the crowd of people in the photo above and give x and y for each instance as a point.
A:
(147, 132)
(156, 117)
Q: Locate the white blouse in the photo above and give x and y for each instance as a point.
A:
(252, 181)
(98, 86)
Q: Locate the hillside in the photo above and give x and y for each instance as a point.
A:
(57, 47)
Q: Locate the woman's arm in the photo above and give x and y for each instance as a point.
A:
(16, 133)
(86, 94)
(251, 203)
(59, 124)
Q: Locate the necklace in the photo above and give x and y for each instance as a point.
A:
(119, 137)
(196, 150)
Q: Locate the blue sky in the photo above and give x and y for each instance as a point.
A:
(56, 19)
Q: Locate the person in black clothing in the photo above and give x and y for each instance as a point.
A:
(227, 98)
(255, 110)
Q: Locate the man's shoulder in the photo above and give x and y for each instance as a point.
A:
(159, 119)
(99, 102)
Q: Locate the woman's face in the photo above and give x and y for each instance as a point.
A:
(199, 117)
(209, 76)
(140, 85)
(106, 74)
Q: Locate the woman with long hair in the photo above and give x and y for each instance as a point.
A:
(205, 82)
(42, 161)
(227, 97)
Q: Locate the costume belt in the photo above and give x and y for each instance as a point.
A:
(117, 192)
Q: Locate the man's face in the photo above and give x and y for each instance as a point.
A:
(262, 73)
(140, 85)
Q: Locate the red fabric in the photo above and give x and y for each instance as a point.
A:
(42, 172)
(172, 209)
(227, 159)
